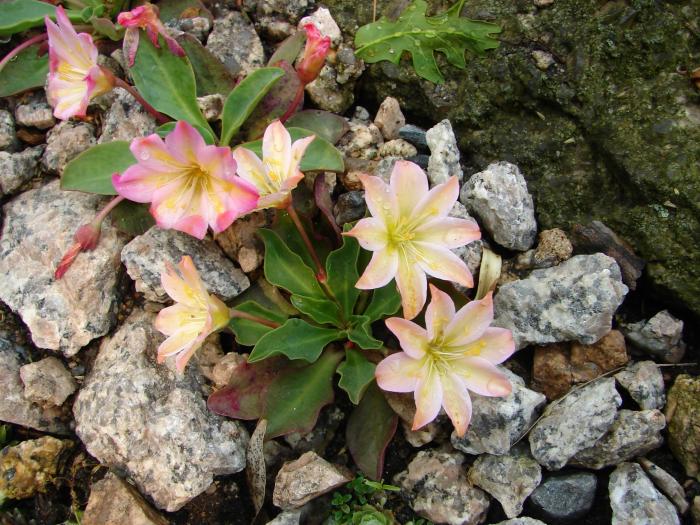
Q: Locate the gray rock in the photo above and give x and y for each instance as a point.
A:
(350, 207)
(38, 230)
(436, 488)
(211, 106)
(126, 119)
(136, 415)
(384, 168)
(327, 93)
(35, 112)
(197, 26)
(306, 478)
(444, 154)
(289, 9)
(572, 301)
(390, 119)
(145, 258)
(645, 383)
(414, 135)
(235, 42)
(499, 198)
(682, 417)
(8, 138)
(47, 382)
(564, 498)
(471, 253)
(65, 142)
(553, 247)
(349, 68)
(17, 169)
(510, 479)
(521, 521)
(14, 407)
(660, 337)
(288, 517)
(635, 500)
(574, 423)
(241, 242)
(632, 434)
(498, 422)
(113, 501)
(667, 484)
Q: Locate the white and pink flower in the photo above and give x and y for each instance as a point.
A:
(145, 17)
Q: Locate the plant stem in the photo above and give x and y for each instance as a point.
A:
(320, 272)
(295, 103)
(160, 118)
(250, 317)
(105, 211)
(22, 47)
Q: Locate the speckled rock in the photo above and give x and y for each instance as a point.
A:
(397, 148)
(324, 22)
(136, 415)
(405, 407)
(659, 337)
(575, 423)
(444, 154)
(389, 118)
(510, 479)
(211, 106)
(632, 434)
(233, 40)
(564, 498)
(38, 230)
(498, 422)
(240, 241)
(327, 93)
(288, 517)
(350, 207)
(14, 407)
(498, 197)
(553, 247)
(667, 484)
(645, 383)
(306, 478)
(126, 119)
(16, 169)
(145, 258)
(436, 488)
(47, 382)
(635, 500)
(31, 466)
(35, 112)
(114, 502)
(362, 141)
(683, 417)
(472, 253)
(572, 301)
(8, 138)
(65, 142)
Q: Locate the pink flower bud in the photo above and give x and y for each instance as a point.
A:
(86, 239)
(315, 52)
(145, 17)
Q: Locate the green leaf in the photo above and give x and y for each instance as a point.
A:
(341, 268)
(167, 82)
(211, 76)
(92, 170)
(324, 124)
(385, 301)
(104, 26)
(168, 127)
(322, 310)
(356, 373)
(370, 429)
(295, 339)
(295, 399)
(20, 15)
(176, 9)
(321, 155)
(249, 332)
(421, 36)
(286, 269)
(360, 333)
(132, 218)
(285, 228)
(245, 98)
(289, 50)
(25, 71)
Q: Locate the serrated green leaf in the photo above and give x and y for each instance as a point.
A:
(295, 398)
(92, 170)
(211, 76)
(360, 333)
(249, 332)
(287, 231)
(385, 301)
(167, 82)
(295, 339)
(356, 373)
(20, 15)
(164, 129)
(322, 310)
(25, 71)
(324, 124)
(245, 98)
(132, 218)
(341, 270)
(421, 36)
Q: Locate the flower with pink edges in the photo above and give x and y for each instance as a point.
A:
(456, 353)
(190, 185)
(315, 52)
(277, 174)
(145, 17)
(195, 315)
(74, 76)
(411, 234)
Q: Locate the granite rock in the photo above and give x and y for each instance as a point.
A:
(667, 484)
(65, 142)
(47, 382)
(125, 119)
(233, 40)
(645, 383)
(17, 169)
(114, 502)
(444, 154)
(324, 22)
(389, 118)
(241, 242)
(8, 138)
(683, 418)
(660, 337)
(35, 112)
(634, 499)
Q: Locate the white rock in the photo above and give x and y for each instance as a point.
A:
(233, 40)
(444, 154)
(324, 22)
(126, 119)
(635, 500)
(47, 381)
(645, 383)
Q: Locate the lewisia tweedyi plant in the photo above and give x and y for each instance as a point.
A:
(315, 310)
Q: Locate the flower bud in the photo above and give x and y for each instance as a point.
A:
(315, 52)
(86, 239)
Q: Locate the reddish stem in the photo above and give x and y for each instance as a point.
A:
(250, 317)
(22, 47)
(320, 272)
(294, 105)
(160, 118)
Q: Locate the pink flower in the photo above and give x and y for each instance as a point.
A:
(145, 17)
(74, 76)
(189, 184)
(314, 54)
(277, 174)
(411, 234)
(194, 316)
(457, 352)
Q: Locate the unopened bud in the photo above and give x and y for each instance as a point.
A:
(86, 239)
(315, 52)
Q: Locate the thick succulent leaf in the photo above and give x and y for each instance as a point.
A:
(360, 333)
(385, 301)
(322, 310)
(341, 271)
(132, 218)
(356, 373)
(421, 36)
(20, 15)
(211, 76)
(92, 170)
(249, 332)
(25, 71)
(289, 50)
(370, 428)
(296, 397)
(324, 124)
(287, 231)
(295, 339)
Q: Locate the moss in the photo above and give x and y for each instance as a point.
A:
(682, 413)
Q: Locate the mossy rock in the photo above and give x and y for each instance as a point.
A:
(609, 131)
(683, 417)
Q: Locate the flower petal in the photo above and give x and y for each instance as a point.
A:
(470, 322)
(399, 373)
(179, 341)
(277, 152)
(482, 377)
(381, 203)
(410, 184)
(428, 396)
(448, 232)
(178, 316)
(138, 183)
(380, 270)
(184, 143)
(251, 169)
(438, 201)
(412, 285)
(457, 403)
(442, 263)
(370, 233)
(412, 338)
(298, 150)
(439, 313)
(496, 345)
(178, 288)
